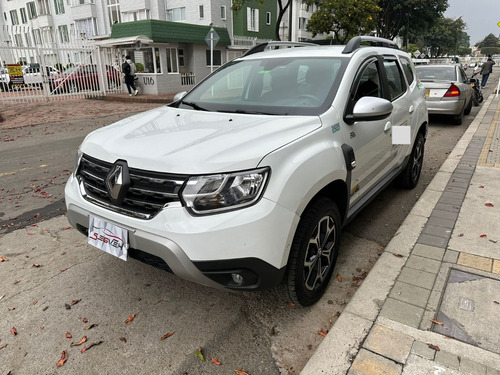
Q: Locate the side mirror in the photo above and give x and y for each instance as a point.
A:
(179, 96)
(369, 108)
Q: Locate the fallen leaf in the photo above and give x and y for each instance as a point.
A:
(3, 259)
(67, 306)
(2, 297)
(241, 372)
(124, 339)
(17, 281)
(461, 235)
(64, 358)
(199, 354)
(35, 302)
(339, 278)
(130, 318)
(68, 335)
(436, 322)
(42, 327)
(166, 336)
(398, 255)
(290, 304)
(496, 302)
(12, 308)
(75, 301)
(434, 347)
(63, 269)
(483, 236)
(83, 340)
(215, 361)
(3, 346)
(90, 327)
(489, 205)
(13, 331)
(85, 320)
(36, 265)
(91, 345)
(481, 187)
(66, 228)
(323, 332)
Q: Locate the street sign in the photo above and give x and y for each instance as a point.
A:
(416, 53)
(212, 37)
(498, 24)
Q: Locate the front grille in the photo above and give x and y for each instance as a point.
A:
(147, 194)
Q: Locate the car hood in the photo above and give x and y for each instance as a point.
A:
(184, 141)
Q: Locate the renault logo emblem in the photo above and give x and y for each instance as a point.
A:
(117, 182)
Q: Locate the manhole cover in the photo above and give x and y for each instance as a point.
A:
(470, 309)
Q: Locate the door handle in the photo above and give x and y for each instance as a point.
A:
(387, 126)
(411, 109)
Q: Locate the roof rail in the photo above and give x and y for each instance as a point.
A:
(261, 47)
(355, 43)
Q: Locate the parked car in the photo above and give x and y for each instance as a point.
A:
(82, 77)
(447, 90)
(33, 76)
(4, 80)
(245, 182)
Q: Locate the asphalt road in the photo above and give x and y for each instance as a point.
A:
(253, 331)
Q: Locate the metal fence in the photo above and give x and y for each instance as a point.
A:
(54, 66)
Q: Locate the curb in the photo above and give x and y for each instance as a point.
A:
(339, 348)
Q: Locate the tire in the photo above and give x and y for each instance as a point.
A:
(308, 274)
(458, 119)
(481, 97)
(409, 177)
(469, 107)
(475, 98)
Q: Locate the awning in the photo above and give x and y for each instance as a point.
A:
(128, 40)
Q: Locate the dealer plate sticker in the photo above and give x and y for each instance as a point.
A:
(108, 237)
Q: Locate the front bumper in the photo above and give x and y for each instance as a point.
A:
(253, 242)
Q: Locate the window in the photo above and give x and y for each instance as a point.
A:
(176, 14)
(138, 15)
(302, 23)
(268, 18)
(31, 10)
(217, 57)
(59, 6)
(172, 66)
(181, 56)
(63, 33)
(37, 36)
(114, 12)
(407, 70)
(24, 18)
(223, 12)
(86, 28)
(369, 83)
(397, 85)
(147, 60)
(202, 15)
(27, 36)
(13, 17)
(252, 19)
(43, 7)
(19, 40)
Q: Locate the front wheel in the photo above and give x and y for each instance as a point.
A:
(475, 98)
(313, 254)
(409, 177)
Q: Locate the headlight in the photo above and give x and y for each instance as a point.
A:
(225, 191)
(77, 161)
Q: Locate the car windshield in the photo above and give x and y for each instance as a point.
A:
(70, 70)
(437, 73)
(276, 86)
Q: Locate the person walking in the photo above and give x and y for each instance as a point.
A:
(486, 70)
(129, 70)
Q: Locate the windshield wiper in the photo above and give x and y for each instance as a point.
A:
(194, 106)
(247, 112)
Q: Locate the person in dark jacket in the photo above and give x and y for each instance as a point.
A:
(129, 70)
(486, 70)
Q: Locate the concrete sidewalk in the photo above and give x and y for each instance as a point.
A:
(431, 304)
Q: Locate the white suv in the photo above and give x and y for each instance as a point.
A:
(245, 182)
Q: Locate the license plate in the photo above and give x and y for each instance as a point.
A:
(427, 92)
(108, 237)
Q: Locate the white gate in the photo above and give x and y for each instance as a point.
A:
(51, 65)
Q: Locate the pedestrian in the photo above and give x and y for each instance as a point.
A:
(129, 69)
(486, 69)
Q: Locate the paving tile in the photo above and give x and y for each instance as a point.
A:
(426, 251)
(448, 359)
(423, 264)
(437, 231)
(422, 349)
(445, 214)
(411, 294)
(400, 344)
(496, 266)
(441, 222)
(474, 261)
(431, 240)
(450, 256)
(416, 277)
(470, 367)
(368, 363)
(402, 312)
(447, 207)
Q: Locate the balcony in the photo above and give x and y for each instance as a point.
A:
(43, 20)
(83, 9)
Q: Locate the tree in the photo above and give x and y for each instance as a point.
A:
(400, 17)
(446, 37)
(489, 45)
(346, 18)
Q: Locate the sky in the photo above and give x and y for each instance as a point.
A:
(481, 17)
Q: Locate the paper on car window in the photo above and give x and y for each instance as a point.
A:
(108, 237)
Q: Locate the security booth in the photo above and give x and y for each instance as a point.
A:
(169, 56)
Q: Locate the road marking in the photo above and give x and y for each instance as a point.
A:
(22, 170)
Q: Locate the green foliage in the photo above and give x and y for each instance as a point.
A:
(346, 18)
(59, 67)
(490, 41)
(70, 65)
(140, 67)
(412, 48)
(490, 50)
(446, 36)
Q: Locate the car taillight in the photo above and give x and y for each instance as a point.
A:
(452, 92)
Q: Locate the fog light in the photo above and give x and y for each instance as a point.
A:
(237, 278)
